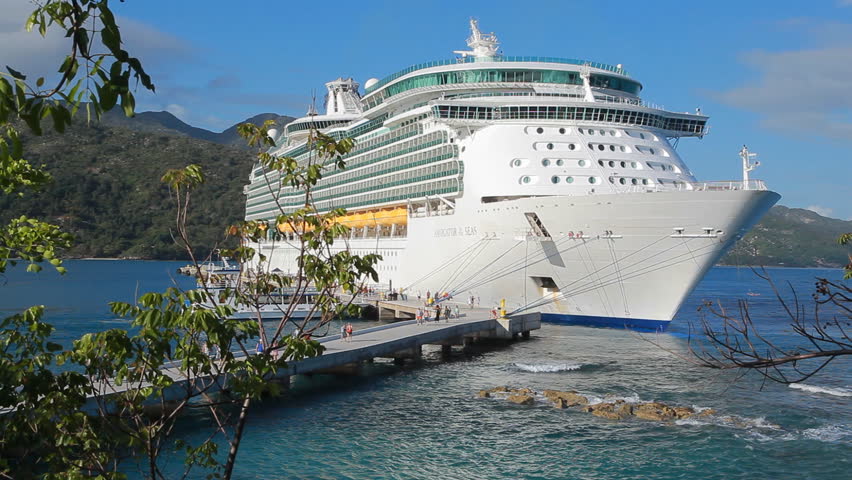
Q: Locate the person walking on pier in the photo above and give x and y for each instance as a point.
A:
(437, 313)
(343, 331)
(348, 332)
(447, 313)
(471, 300)
(456, 311)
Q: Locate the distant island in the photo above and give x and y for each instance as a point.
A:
(107, 193)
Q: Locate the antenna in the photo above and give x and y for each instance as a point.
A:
(748, 166)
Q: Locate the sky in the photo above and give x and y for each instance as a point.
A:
(775, 75)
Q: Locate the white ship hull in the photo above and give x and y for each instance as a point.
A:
(660, 246)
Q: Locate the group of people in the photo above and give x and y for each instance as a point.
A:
(346, 332)
(424, 313)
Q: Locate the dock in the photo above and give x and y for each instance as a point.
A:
(400, 341)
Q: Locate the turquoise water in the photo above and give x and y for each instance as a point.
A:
(425, 422)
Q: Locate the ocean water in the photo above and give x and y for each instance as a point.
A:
(425, 421)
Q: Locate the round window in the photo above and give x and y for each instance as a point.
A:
(593, 180)
(600, 162)
(581, 163)
(539, 130)
(602, 132)
(545, 162)
(562, 131)
(600, 147)
(612, 132)
(622, 148)
(611, 163)
(550, 146)
(590, 132)
(634, 181)
(652, 151)
(622, 181)
(644, 181)
(591, 147)
(569, 179)
(623, 164)
(632, 164)
(560, 162)
(642, 136)
(525, 179)
(611, 180)
(612, 148)
(554, 179)
(516, 163)
(571, 146)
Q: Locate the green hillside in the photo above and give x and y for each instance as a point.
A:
(792, 237)
(107, 192)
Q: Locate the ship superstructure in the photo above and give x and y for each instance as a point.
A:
(547, 182)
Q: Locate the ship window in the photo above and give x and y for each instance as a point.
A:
(634, 181)
(539, 130)
(590, 131)
(611, 163)
(612, 148)
(611, 180)
(600, 147)
(581, 163)
(622, 181)
(569, 179)
(623, 164)
(591, 147)
(601, 163)
(516, 162)
(602, 132)
(525, 179)
(554, 179)
(632, 164)
(622, 148)
(560, 162)
(562, 131)
(550, 146)
(571, 146)
(545, 162)
(593, 180)
(644, 181)
(612, 132)
(580, 130)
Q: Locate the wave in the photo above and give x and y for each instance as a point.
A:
(547, 367)
(837, 392)
(829, 433)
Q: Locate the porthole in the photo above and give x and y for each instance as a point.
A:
(593, 180)
(569, 179)
(590, 131)
(611, 163)
(560, 162)
(562, 131)
(632, 164)
(554, 179)
(622, 148)
(612, 132)
(545, 162)
(571, 146)
(463, 148)
(642, 136)
(652, 151)
(600, 147)
(611, 180)
(550, 146)
(634, 181)
(525, 179)
(623, 164)
(644, 181)
(622, 181)
(600, 162)
(612, 148)
(591, 147)
(580, 130)
(517, 162)
(581, 163)
(602, 132)
(539, 130)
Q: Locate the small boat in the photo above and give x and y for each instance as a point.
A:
(752, 294)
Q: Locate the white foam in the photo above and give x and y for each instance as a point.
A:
(829, 433)
(837, 392)
(594, 399)
(547, 367)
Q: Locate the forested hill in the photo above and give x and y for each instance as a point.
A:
(792, 237)
(107, 189)
(107, 192)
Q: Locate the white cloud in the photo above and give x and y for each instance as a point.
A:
(824, 211)
(844, 3)
(806, 91)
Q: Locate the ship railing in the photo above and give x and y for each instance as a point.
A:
(728, 185)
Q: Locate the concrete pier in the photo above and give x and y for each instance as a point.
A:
(400, 341)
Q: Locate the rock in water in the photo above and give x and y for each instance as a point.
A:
(502, 389)
(560, 403)
(608, 410)
(484, 394)
(683, 412)
(571, 399)
(654, 411)
(521, 399)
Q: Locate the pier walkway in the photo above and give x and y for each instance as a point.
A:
(400, 341)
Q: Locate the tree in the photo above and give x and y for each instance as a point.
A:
(122, 394)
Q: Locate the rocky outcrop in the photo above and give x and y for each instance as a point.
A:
(569, 399)
(617, 410)
(521, 399)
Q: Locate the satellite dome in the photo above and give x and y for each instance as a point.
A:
(273, 133)
(369, 83)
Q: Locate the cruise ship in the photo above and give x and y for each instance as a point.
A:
(547, 183)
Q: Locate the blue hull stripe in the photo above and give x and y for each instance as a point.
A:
(611, 322)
